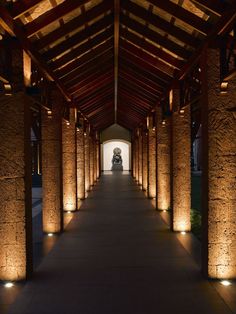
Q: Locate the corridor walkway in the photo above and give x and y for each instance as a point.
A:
(118, 256)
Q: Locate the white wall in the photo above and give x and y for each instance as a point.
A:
(107, 154)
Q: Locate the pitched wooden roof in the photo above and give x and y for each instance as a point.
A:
(115, 60)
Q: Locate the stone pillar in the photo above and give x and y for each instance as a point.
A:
(163, 162)
(219, 169)
(80, 163)
(98, 157)
(52, 167)
(95, 160)
(136, 158)
(181, 152)
(133, 158)
(15, 188)
(151, 159)
(144, 161)
(140, 158)
(69, 162)
(91, 159)
(87, 163)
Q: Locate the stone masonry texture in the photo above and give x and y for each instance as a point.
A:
(163, 163)
(144, 160)
(151, 163)
(221, 173)
(181, 166)
(80, 164)
(15, 189)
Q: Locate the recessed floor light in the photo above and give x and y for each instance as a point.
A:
(164, 211)
(9, 285)
(50, 234)
(183, 232)
(225, 283)
(69, 212)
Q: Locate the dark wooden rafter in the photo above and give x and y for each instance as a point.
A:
(165, 72)
(155, 37)
(72, 25)
(10, 26)
(99, 100)
(95, 95)
(160, 23)
(79, 37)
(131, 105)
(182, 14)
(89, 109)
(80, 75)
(143, 65)
(135, 98)
(79, 86)
(88, 60)
(52, 15)
(19, 8)
(216, 7)
(83, 48)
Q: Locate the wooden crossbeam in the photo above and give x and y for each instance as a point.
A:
(90, 73)
(94, 114)
(155, 37)
(136, 98)
(182, 14)
(133, 105)
(85, 47)
(88, 105)
(19, 8)
(143, 64)
(52, 15)
(10, 26)
(104, 90)
(216, 7)
(98, 104)
(78, 37)
(160, 23)
(87, 60)
(165, 72)
(116, 52)
(132, 90)
(147, 46)
(72, 25)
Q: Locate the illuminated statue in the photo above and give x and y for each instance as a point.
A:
(117, 159)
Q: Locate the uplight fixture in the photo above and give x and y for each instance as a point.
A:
(50, 234)
(183, 232)
(225, 283)
(9, 285)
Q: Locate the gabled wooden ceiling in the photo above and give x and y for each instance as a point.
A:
(115, 60)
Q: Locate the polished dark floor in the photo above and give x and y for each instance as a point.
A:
(118, 256)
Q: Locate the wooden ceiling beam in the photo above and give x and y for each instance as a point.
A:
(133, 84)
(140, 79)
(82, 49)
(10, 26)
(97, 105)
(52, 15)
(166, 73)
(72, 25)
(216, 7)
(139, 100)
(87, 106)
(88, 60)
(78, 38)
(139, 83)
(160, 23)
(96, 113)
(102, 116)
(80, 85)
(139, 94)
(143, 64)
(182, 14)
(132, 105)
(105, 90)
(141, 74)
(147, 46)
(19, 8)
(91, 87)
(89, 75)
(155, 37)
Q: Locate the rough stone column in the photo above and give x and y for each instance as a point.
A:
(52, 168)
(144, 160)
(136, 158)
(163, 162)
(181, 150)
(98, 157)
(69, 162)
(15, 188)
(87, 163)
(80, 163)
(95, 160)
(133, 158)
(91, 160)
(151, 159)
(140, 158)
(219, 145)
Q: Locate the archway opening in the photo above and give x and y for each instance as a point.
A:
(108, 149)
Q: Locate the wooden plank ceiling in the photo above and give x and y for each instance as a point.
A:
(115, 60)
